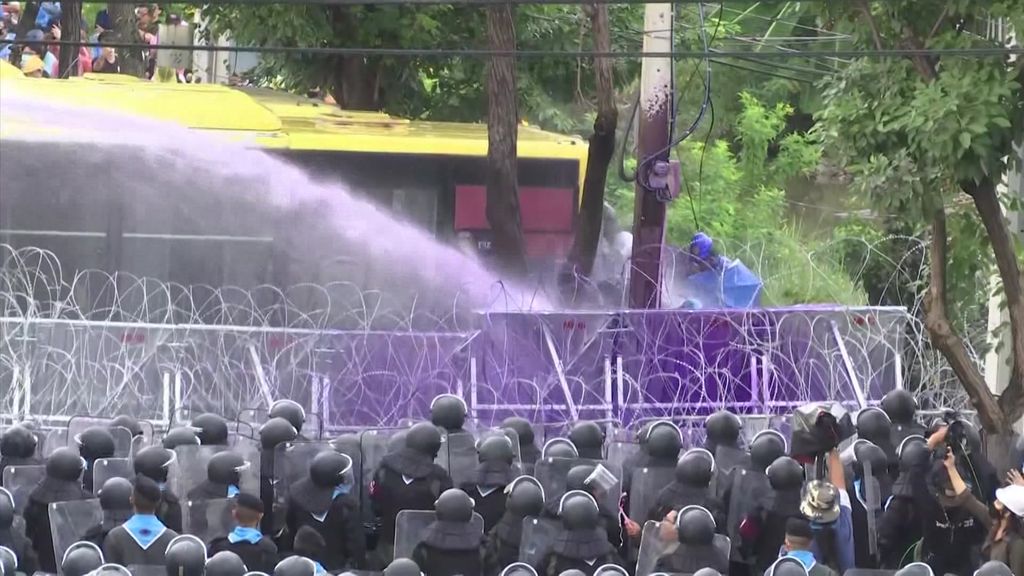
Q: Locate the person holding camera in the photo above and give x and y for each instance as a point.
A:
(955, 522)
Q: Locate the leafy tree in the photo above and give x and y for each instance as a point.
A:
(919, 134)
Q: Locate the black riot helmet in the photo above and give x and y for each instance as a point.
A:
(180, 436)
(127, 422)
(212, 429)
(559, 448)
(454, 505)
(865, 452)
(65, 464)
(522, 428)
(153, 462)
(290, 411)
(766, 447)
(346, 444)
(785, 474)
(696, 468)
(572, 572)
(401, 567)
(787, 566)
(277, 431)
(424, 438)
(95, 443)
(723, 429)
(576, 477)
(900, 406)
(397, 441)
(185, 556)
(80, 559)
(6, 509)
(610, 570)
(519, 569)
(116, 494)
(707, 572)
(913, 453)
(8, 561)
(916, 569)
(18, 442)
(329, 468)
(588, 438)
(873, 425)
(295, 566)
(525, 497)
(578, 510)
(225, 563)
(496, 449)
(663, 441)
(695, 526)
(448, 411)
(225, 468)
(994, 568)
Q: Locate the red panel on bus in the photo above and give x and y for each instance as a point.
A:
(542, 209)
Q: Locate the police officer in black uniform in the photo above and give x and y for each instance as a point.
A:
(180, 436)
(185, 556)
(695, 530)
(559, 448)
(223, 475)
(323, 501)
(786, 566)
(692, 486)
(407, 479)
(874, 425)
(723, 442)
(867, 456)
(212, 429)
(80, 560)
(448, 412)
(581, 544)
(94, 443)
(528, 451)
(18, 448)
(451, 545)
(246, 540)
(786, 477)
(292, 412)
(14, 539)
(127, 422)
(588, 438)
(900, 527)
(525, 498)
(273, 433)
(901, 407)
(153, 463)
(494, 472)
(750, 494)
(62, 483)
(116, 501)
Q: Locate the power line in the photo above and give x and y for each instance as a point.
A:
(472, 52)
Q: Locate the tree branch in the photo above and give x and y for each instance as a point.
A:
(938, 24)
(947, 341)
(865, 8)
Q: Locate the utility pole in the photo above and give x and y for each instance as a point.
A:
(653, 181)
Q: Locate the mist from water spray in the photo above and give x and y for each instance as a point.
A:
(156, 166)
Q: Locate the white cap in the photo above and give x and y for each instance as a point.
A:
(1013, 498)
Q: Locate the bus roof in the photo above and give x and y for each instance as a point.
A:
(279, 120)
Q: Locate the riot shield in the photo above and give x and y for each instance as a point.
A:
(208, 519)
(729, 457)
(411, 527)
(70, 521)
(106, 468)
(373, 446)
(312, 428)
(647, 483)
(653, 547)
(551, 473)
(291, 464)
(871, 489)
(538, 536)
(188, 469)
(122, 436)
(458, 454)
(20, 481)
(622, 452)
(750, 491)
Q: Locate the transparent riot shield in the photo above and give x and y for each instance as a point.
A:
(122, 436)
(872, 502)
(71, 521)
(647, 483)
(411, 527)
(50, 440)
(374, 444)
(653, 547)
(106, 468)
(749, 491)
(291, 464)
(188, 470)
(538, 535)
(20, 481)
(312, 428)
(551, 473)
(208, 519)
(458, 454)
(729, 457)
(622, 452)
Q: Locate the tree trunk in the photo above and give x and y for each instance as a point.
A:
(986, 201)
(126, 30)
(948, 342)
(502, 135)
(71, 31)
(602, 148)
(356, 84)
(27, 22)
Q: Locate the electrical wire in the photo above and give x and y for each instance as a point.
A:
(482, 53)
